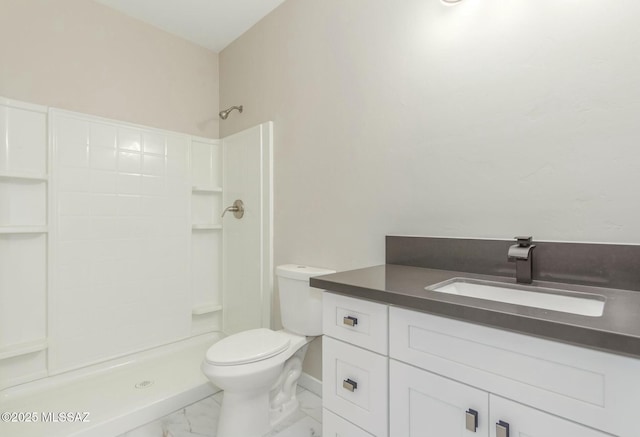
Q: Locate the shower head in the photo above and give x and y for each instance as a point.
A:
(224, 114)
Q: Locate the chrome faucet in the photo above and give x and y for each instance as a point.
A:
(522, 254)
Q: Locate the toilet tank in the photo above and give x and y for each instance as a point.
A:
(300, 305)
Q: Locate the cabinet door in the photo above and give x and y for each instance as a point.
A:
(423, 404)
(355, 385)
(335, 426)
(525, 421)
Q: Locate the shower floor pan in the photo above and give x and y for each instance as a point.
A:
(119, 396)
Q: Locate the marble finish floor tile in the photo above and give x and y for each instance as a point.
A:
(201, 420)
(306, 427)
(310, 404)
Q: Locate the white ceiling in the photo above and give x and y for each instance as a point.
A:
(210, 23)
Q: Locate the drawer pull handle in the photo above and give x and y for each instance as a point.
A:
(471, 422)
(502, 429)
(350, 321)
(349, 385)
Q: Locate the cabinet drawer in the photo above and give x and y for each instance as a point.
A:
(355, 385)
(590, 387)
(356, 321)
(428, 405)
(525, 421)
(335, 426)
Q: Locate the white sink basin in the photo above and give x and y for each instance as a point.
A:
(584, 304)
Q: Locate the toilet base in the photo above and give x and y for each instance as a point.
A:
(244, 415)
(283, 395)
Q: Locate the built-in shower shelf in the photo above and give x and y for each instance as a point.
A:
(203, 189)
(16, 350)
(23, 176)
(206, 227)
(206, 236)
(23, 230)
(206, 308)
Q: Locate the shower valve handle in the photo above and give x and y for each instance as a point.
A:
(237, 209)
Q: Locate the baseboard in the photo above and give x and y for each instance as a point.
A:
(310, 383)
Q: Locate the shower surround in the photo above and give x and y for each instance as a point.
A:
(111, 243)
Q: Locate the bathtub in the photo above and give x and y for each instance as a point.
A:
(113, 397)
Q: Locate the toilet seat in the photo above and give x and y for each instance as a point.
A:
(247, 347)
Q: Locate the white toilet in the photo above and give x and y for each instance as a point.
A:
(259, 369)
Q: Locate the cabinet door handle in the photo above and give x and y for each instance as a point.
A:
(349, 385)
(502, 429)
(471, 422)
(350, 321)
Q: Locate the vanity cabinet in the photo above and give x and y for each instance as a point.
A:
(449, 378)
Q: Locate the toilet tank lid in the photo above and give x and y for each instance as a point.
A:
(297, 271)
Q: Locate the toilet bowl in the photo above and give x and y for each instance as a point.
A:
(259, 369)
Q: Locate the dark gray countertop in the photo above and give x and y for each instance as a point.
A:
(616, 331)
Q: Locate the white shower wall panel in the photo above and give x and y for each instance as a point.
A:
(23, 368)
(23, 241)
(23, 282)
(22, 288)
(207, 268)
(247, 268)
(23, 137)
(121, 232)
(23, 202)
(205, 164)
